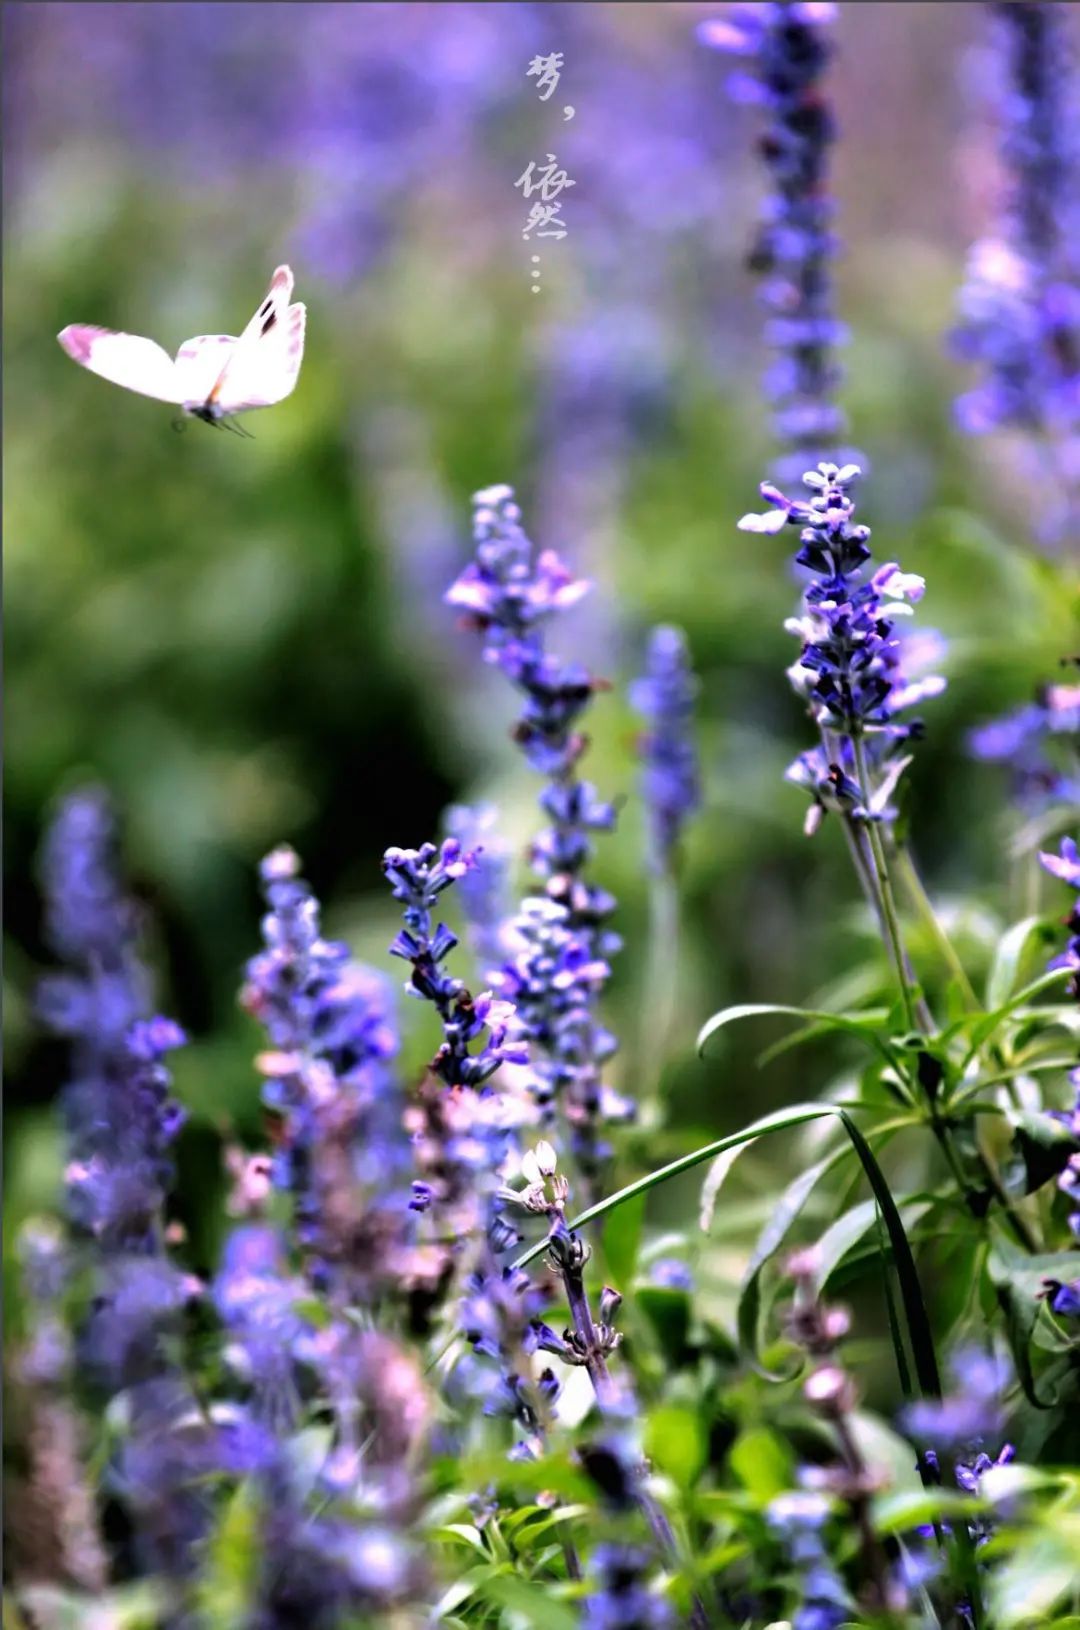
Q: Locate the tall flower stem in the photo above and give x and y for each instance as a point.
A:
(913, 884)
(660, 996)
(915, 1009)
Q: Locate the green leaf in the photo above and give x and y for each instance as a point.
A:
(459, 1592)
(675, 1441)
(772, 1236)
(227, 1580)
(910, 1289)
(1018, 1281)
(886, 1451)
(778, 1121)
(902, 1510)
(715, 1178)
(668, 1310)
(1008, 957)
(1035, 1575)
(762, 1462)
(1044, 1146)
(865, 1025)
(535, 1603)
(465, 1533)
(849, 1228)
(622, 1240)
(984, 1027)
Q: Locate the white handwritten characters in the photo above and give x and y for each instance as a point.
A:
(549, 181)
(546, 72)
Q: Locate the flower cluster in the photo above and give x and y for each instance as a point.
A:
(798, 1520)
(508, 595)
(121, 1117)
(851, 667)
(664, 695)
(121, 1121)
(959, 1424)
(462, 1127)
(1020, 304)
(484, 887)
(620, 1598)
(795, 245)
(1040, 743)
(329, 1087)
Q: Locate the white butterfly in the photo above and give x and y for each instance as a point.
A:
(214, 375)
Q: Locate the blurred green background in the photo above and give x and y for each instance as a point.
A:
(244, 640)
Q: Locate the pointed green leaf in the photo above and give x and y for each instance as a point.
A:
(864, 1025)
(1008, 958)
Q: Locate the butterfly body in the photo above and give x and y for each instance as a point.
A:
(213, 376)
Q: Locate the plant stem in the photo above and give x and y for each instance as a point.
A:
(915, 1010)
(661, 991)
(923, 905)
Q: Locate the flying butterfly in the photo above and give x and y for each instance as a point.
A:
(214, 376)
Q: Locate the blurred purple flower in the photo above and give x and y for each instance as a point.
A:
(1040, 743)
(484, 888)
(798, 1519)
(328, 1081)
(1019, 308)
(619, 1598)
(665, 697)
(795, 243)
(1066, 867)
(968, 1414)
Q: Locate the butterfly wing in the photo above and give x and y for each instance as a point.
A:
(263, 366)
(199, 364)
(125, 359)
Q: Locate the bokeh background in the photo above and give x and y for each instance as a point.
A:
(245, 641)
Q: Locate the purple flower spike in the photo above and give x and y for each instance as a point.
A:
(786, 51)
(508, 591)
(665, 696)
(851, 669)
(1020, 305)
(1040, 743)
(328, 1083)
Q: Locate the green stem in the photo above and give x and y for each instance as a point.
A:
(660, 995)
(923, 905)
(914, 1009)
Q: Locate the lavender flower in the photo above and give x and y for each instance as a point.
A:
(798, 1519)
(795, 242)
(483, 888)
(849, 669)
(120, 1116)
(508, 596)
(328, 1081)
(1040, 743)
(959, 1424)
(620, 1599)
(500, 1317)
(461, 1136)
(1066, 867)
(1020, 305)
(121, 1121)
(665, 696)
